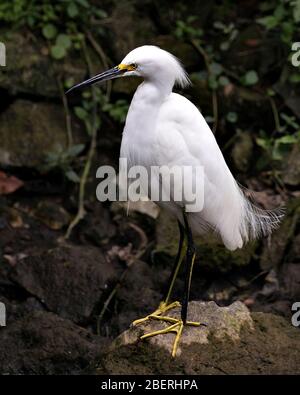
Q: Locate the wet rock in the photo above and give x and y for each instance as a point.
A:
(43, 343)
(233, 342)
(69, 280)
(30, 132)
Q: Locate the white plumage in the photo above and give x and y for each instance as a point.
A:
(165, 128)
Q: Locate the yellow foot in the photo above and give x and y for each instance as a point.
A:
(162, 308)
(175, 327)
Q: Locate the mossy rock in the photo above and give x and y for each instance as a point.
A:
(211, 253)
(30, 69)
(31, 131)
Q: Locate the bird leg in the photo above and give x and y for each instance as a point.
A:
(177, 325)
(165, 306)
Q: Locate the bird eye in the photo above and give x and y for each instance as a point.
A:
(133, 66)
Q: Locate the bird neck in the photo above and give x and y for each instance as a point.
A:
(143, 111)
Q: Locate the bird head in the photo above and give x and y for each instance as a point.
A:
(149, 62)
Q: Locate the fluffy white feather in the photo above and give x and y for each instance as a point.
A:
(164, 128)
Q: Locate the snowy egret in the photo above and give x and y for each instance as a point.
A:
(165, 128)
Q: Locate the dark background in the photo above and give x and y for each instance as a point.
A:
(71, 287)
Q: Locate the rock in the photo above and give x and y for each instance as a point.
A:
(140, 292)
(30, 132)
(68, 280)
(242, 151)
(233, 342)
(294, 253)
(143, 207)
(51, 214)
(129, 27)
(220, 323)
(290, 275)
(31, 74)
(291, 167)
(211, 253)
(274, 253)
(43, 343)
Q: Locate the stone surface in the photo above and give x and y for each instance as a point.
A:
(32, 74)
(69, 280)
(43, 343)
(30, 132)
(220, 323)
(291, 167)
(211, 253)
(234, 342)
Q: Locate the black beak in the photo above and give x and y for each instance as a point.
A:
(107, 75)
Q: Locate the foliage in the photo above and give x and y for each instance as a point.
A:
(63, 159)
(278, 18)
(60, 22)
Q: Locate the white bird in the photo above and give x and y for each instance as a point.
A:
(165, 128)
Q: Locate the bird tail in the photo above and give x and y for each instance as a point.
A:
(245, 221)
(256, 222)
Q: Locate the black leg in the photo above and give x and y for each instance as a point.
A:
(179, 258)
(190, 258)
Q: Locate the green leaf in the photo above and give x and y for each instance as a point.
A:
(223, 80)
(216, 68)
(268, 21)
(294, 78)
(75, 149)
(232, 117)
(69, 82)
(72, 10)
(64, 41)
(58, 52)
(83, 3)
(212, 82)
(100, 13)
(296, 11)
(72, 176)
(81, 113)
(250, 78)
(224, 46)
(49, 31)
(288, 139)
(263, 143)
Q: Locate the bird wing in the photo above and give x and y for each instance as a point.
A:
(184, 138)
